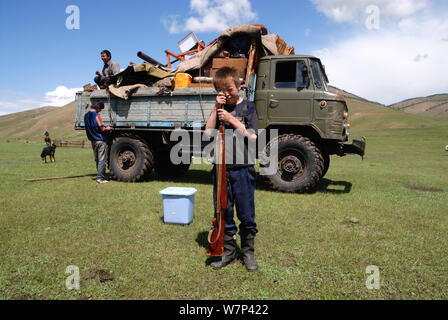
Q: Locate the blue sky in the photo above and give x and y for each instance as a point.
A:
(43, 62)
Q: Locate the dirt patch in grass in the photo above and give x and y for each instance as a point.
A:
(422, 188)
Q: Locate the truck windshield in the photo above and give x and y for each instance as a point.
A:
(316, 74)
(289, 75)
(319, 79)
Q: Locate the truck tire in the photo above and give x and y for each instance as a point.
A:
(130, 159)
(300, 164)
(326, 157)
(165, 168)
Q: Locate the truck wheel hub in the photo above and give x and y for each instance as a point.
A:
(291, 164)
(126, 159)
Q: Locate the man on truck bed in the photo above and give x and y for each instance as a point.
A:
(110, 68)
(94, 131)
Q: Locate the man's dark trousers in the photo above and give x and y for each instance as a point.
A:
(101, 81)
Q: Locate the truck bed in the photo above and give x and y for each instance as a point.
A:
(185, 108)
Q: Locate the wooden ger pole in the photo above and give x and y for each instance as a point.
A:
(54, 178)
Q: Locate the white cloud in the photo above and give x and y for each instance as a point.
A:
(421, 56)
(60, 96)
(171, 23)
(211, 16)
(354, 11)
(390, 65)
(12, 102)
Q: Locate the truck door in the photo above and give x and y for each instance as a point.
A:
(261, 93)
(290, 96)
(321, 90)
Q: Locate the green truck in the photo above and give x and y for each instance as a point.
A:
(292, 99)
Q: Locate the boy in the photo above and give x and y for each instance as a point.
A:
(94, 130)
(241, 117)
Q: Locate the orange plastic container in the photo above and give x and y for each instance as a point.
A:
(182, 80)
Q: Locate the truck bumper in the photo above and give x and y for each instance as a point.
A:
(356, 147)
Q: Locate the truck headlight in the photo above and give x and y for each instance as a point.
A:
(346, 129)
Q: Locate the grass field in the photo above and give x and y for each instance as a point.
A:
(307, 247)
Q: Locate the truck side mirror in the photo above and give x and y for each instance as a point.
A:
(304, 77)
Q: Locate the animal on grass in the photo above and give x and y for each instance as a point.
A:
(48, 152)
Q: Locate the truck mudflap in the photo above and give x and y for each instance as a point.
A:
(356, 147)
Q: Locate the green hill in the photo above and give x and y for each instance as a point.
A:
(369, 115)
(351, 96)
(363, 115)
(31, 124)
(435, 105)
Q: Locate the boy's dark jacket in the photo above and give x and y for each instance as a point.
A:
(239, 152)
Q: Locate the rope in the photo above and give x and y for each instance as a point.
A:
(209, 238)
(200, 93)
(110, 106)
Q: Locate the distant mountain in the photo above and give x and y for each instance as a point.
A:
(351, 96)
(369, 115)
(435, 105)
(31, 124)
(363, 115)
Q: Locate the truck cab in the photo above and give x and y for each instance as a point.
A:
(292, 96)
(293, 90)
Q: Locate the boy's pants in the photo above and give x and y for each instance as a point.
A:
(240, 193)
(100, 152)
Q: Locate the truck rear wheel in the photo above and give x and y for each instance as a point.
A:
(300, 164)
(130, 159)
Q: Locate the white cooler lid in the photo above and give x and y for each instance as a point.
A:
(176, 191)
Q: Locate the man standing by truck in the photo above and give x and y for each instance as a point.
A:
(94, 130)
(110, 68)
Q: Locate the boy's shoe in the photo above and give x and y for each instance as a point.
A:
(101, 181)
(247, 249)
(229, 253)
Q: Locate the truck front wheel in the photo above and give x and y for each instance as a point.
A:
(300, 164)
(326, 164)
(130, 159)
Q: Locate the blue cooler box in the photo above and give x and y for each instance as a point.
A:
(178, 205)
